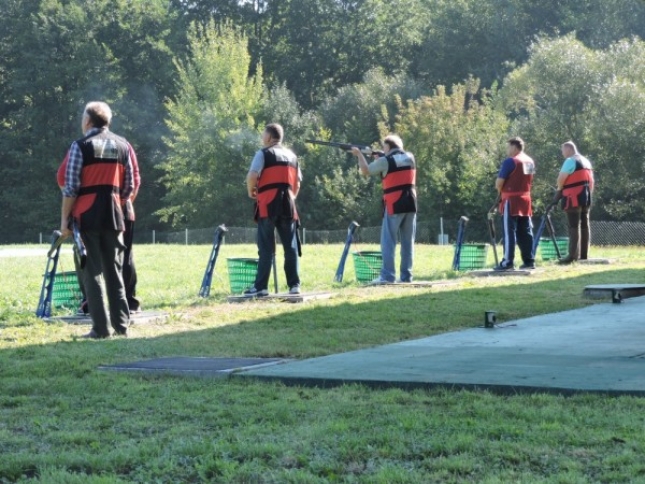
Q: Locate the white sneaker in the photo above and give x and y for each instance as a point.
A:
(294, 290)
(380, 280)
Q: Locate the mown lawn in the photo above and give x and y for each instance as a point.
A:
(63, 421)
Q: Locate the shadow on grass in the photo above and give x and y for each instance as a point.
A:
(284, 330)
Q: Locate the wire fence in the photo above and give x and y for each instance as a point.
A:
(441, 232)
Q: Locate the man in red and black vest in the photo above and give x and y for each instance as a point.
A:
(575, 185)
(397, 169)
(273, 181)
(513, 183)
(98, 180)
(129, 270)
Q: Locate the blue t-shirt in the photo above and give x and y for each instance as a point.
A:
(508, 165)
(569, 165)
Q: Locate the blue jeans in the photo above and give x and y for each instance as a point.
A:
(517, 229)
(286, 228)
(403, 225)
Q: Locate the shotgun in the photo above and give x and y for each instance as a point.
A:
(366, 150)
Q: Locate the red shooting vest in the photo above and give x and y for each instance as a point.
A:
(578, 186)
(277, 183)
(517, 187)
(98, 204)
(399, 192)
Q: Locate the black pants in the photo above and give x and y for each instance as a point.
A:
(287, 231)
(104, 263)
(129, 271)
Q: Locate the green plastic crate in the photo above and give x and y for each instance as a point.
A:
(66, 292)
(473, 256)
(367, 265)
(241, 273)
(547, 249)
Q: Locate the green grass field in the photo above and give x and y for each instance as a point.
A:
(64, 421)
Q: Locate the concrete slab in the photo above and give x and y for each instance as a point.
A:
(599, 348)
(491, 272)
(194, 366)
(597, 261)
(617, 292)
(144, 317)
(411, 284)
(282, 297)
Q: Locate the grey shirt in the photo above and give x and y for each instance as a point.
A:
(380, 165)
(257, 165)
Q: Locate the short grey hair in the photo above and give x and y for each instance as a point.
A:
(99, 113)
(570, 145)
(394, 141)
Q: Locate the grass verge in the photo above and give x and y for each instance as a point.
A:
(62, 420)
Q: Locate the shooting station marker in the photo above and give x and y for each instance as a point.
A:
(191, 366)
(618, 292)
(281, 297)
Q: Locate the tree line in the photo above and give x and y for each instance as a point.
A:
(193, 83)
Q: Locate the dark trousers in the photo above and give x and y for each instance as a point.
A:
(129, 271)
(518, 230)
(287, 231)
(104, 263)
(579, 233)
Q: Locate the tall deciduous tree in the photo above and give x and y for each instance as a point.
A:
(458, 142)
(213, 133)
(595, 98)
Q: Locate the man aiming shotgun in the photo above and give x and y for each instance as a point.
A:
(397, 169)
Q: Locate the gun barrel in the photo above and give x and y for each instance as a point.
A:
(343, 146)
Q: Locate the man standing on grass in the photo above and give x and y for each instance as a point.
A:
(514, 187)
(129, 271)
(98, 180)
(397, 169)
(575, 185)
(273, 181)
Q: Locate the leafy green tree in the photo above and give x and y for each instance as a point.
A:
(595, 98)
(458, 141)
(213, 134)
(51, 67)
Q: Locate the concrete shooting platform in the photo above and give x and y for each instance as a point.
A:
(281, 297)
(492, 273)
(143, 317)
(411, 284)
(596, 261)
(599, 349)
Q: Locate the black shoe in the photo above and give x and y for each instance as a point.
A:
(252, 291)
(566, 261)
(529, 267)
(502, 268)
(94, 335)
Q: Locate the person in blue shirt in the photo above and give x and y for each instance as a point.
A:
(575, 185)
